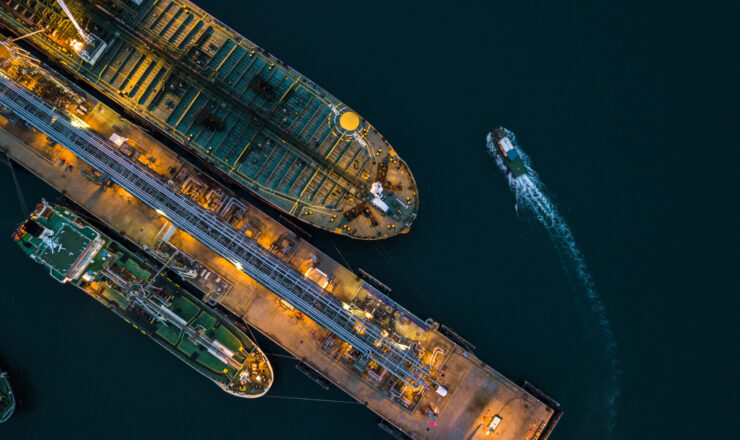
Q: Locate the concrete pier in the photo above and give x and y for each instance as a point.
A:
(473, 393)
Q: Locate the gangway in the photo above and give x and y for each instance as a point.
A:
(221, 237)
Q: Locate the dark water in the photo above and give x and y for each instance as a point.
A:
(629, 114)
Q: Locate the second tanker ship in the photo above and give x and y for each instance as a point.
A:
(244, 112)
(76, 253)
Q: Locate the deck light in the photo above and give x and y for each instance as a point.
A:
(77, 45)
(77, 123)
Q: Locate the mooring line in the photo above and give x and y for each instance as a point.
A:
(17, 186)
(313, 399)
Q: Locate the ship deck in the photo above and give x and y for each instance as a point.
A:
(193, 333)
(247, 114)
(72, 241)
(475, 391)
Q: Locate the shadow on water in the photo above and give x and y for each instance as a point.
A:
(532, 198)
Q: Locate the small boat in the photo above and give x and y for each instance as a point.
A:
(503, 139)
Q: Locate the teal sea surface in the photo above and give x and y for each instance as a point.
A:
(628, 112)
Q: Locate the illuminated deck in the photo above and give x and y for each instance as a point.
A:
(475, 392)
(135, 291)
(249, 115)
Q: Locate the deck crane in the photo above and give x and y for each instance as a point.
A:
(13, 40)
(15, 51)
(91, 46)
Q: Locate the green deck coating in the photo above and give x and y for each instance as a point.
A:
(116, 296)
(211, 361)
(187, 347)
(224, 336)
(169, 333)
(133, 268)
(205, 320)
(184, 308)
(99, 261)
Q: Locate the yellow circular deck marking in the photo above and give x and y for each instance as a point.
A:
(349, 121)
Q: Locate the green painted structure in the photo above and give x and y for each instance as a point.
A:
(76, 253)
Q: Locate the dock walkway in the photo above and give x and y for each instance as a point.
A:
(475, 391)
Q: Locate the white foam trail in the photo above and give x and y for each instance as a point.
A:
(531, 196)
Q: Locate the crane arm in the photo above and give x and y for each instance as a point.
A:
(66, 10)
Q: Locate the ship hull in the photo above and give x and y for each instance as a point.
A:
(162, 310)
(239, 109)
(513, 161)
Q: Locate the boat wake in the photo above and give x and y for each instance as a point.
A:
(531, 197)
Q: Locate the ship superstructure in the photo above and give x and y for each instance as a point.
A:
(76, 253)
(246, 113)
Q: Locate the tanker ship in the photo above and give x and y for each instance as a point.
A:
(243, 112)
(7, 399)
(76, 253)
